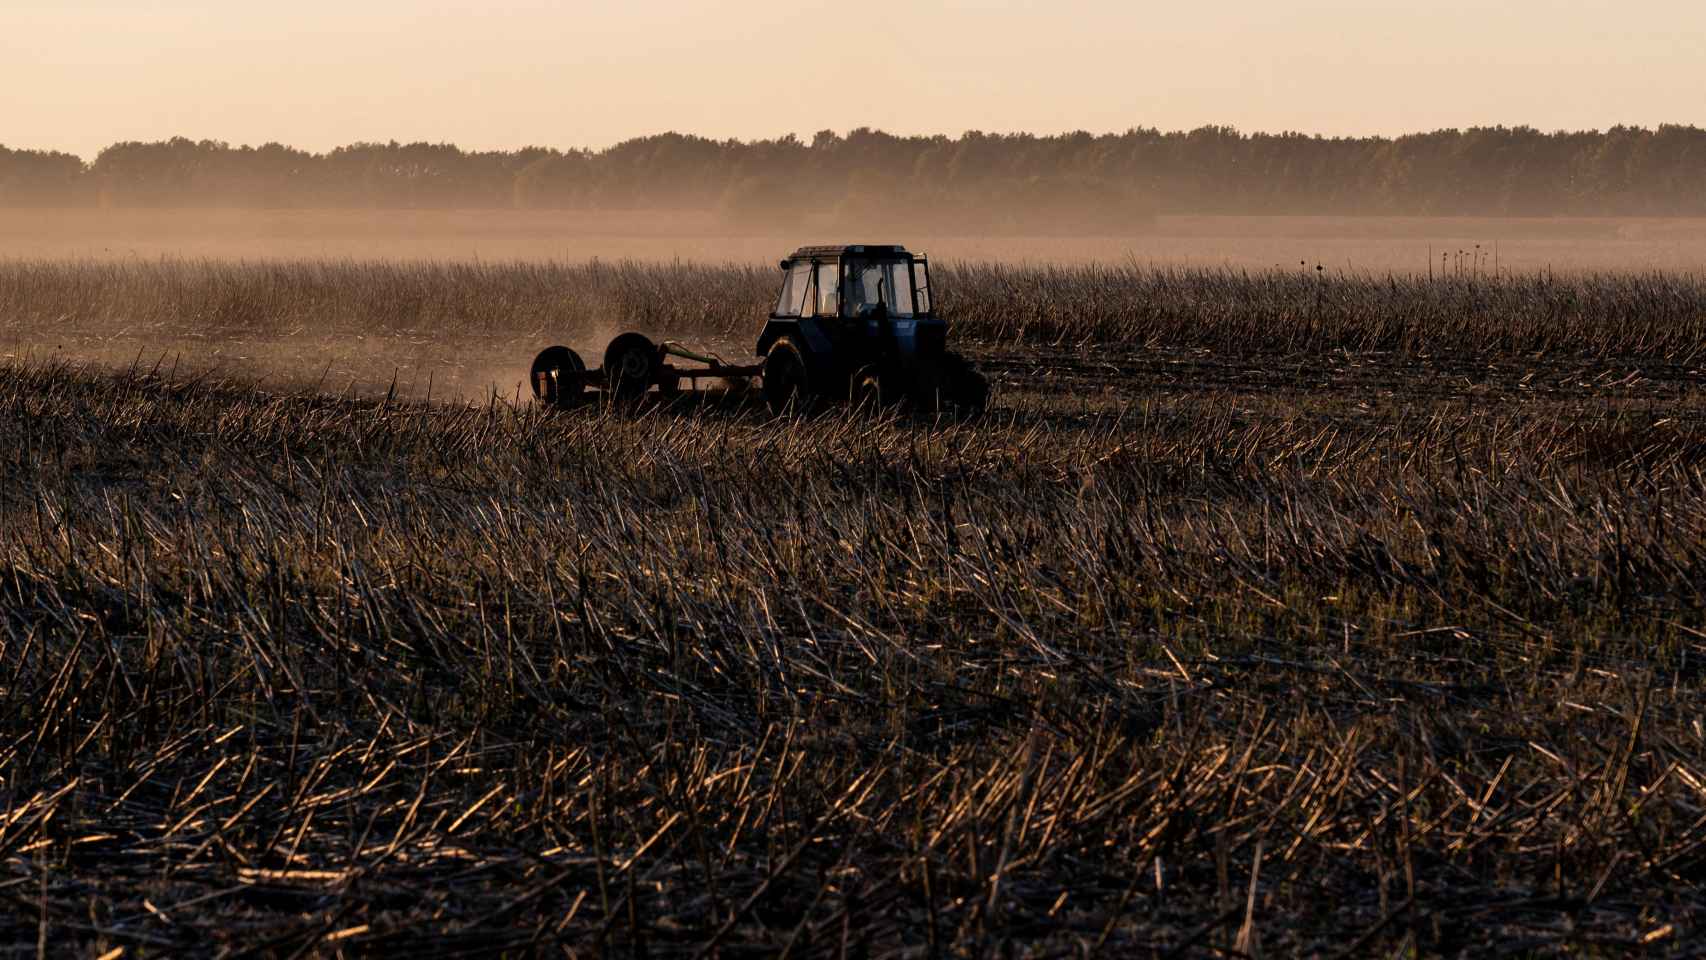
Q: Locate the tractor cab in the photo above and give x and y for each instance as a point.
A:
(858, 321)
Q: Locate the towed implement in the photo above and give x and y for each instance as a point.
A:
(632, 366)
(852, 324)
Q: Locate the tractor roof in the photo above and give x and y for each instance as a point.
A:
(825, 251)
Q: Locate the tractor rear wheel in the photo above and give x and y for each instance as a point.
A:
(556, 377)
(953, 385)
(630, 365)
(787, 378)
(965, 390)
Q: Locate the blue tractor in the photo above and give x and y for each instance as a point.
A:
(852, 324)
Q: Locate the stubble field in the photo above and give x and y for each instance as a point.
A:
(1271, 612)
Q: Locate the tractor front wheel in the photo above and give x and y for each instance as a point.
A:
(867, 391)
(787, 378)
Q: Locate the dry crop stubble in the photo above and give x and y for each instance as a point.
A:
(1206, 662)
(114, 305)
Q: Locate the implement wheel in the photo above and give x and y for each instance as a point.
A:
(631, 365)
(787, 378)
(556, 377)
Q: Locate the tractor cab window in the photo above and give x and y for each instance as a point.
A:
(826, 285)
(871, 282)
(820, 291)
(794, 284)
(921, 278)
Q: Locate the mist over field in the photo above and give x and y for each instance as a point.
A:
(1482, 199)
(1403, 245)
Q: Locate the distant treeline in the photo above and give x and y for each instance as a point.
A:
(1078, 181)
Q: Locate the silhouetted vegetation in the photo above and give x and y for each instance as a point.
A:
(31, 178)
(978, 181)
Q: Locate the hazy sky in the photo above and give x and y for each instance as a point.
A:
(78, 75)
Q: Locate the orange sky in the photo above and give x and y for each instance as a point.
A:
(77, 75)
